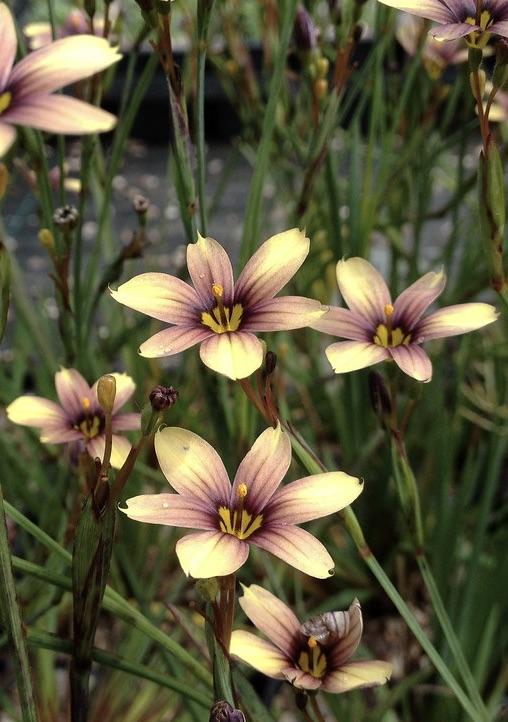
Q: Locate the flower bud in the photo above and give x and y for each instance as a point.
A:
(474, 58)
(164, 7)
(322, 67)
(46, 239)
(500, 74)
(270, 362)
(223, 712)
(481, 80)
(162, 397)
(320, 88)
(66, 217)
(379, 396)
(304, 30)
(90, 8)
(4, 179)
(106, 392)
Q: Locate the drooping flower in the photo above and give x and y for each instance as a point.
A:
(314, 655)
(78, 418)
(379, 330)
(474, 20)
(27, 88)
(436, 55)
(251, 511)
(220, 315)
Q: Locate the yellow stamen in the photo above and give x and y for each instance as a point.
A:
(313, 663)
(388, 338)
(238, 522)
(242, 491)
(217, 291)
(479, 39)
(90, 427)
(222, 319)
(388, 310)
(85, 403)
(311, 642)
(5, 101)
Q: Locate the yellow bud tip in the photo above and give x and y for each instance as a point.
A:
(217, 290)
(312, 643)
(242, 491)
(86, 403)
(388, 310)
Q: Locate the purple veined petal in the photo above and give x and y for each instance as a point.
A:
(192, 466)
(413, 360)
(343, 649)
(234, 354)
(271, 267)
(160, 296)
(259, 653)
(499, 28)
(8, 45)
(74, 393)
(302, 680)
(344, 323)
(209, 266)
(37, 411)
(263, 468)
(347, 356)
(59, 435)
(455, 320)
(363, 289)
(59, 114)
(296, 547)
(211, 554)
(429, 9)
(60, 63)
(272, 617)
(283, 314)
(453, 31)
(126, 422)
(174, 340)
(7, 137)
(357, 674)
(312, 498)
(171, 510)
(409, 307)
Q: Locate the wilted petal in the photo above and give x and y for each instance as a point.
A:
(8, 44)
(343, 649)
(313, 497)
(209, 265)
(36, 411)
(283, 314)
(211, 554)
(170, 509)
(272, 266)
(301, 679)
(126, 422)
(454, 320)
(61, 63)
(413, 361)
(235, 355)
(347, 356)
(430, 9)
(363, 288)
(344, 323)
(296, 547)
(74, 393)
(119, 450)
(192, 466)
(263, 468)
(411, 304)
(452, 31)
(259, 653)
(357, 674)
(7, 137)
(271, 616)
(173, 340)
(160, 296)
(59, 114)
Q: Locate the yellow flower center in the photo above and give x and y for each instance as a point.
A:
(222, 318)
(90, 426)
(238, 522)
(5, 101)
(313, 661)
(386, 335)
(479, 39)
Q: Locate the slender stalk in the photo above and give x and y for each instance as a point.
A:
(317, 711)
(203, 22)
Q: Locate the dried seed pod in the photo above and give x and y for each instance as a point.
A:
(327, 626)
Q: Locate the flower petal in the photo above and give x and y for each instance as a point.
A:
(59, 114)
(173, 340)
(36, 411)
(125, 387)
(263, 468)
(347, 356)
(160, 296)
(74, 393)
(452, 31)
(313, 497)
(357, 674)
(303, 680)
(259, 653)
(209, 265)
(8, 44)
(344, 323)
(272, 266)
(413, 361)
(59, 435)
(119, 450)
(61, 63)
(296, 547)
(414, 301)
(211, 554)
(454, 320)
(499, 28)
(283, 314)
(363, 289)
(272, 617)
(430, 9)
(170, 509)
(7, 137)
(192, 466)
(235, 355)
(343, 649)
(126, 422)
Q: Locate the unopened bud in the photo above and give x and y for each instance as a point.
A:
(208, 589)
(162, 397)
(270, 362)
(481, 82)
(46, 239)
(322, 67)
(474, 58)
(304, 30)
(223, 712)
(90, 8)
(164, 7)
(500, 74)
(320, 88)
(66, 217)
(106, 392)
(379, 396)
(4, 179)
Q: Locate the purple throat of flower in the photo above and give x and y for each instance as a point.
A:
(387, 336)
(221, 318)
(239, 521)
(91, 421)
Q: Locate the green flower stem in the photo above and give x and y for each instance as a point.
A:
(113, 602)
(314, 466)
(253, 216)
(49, 641)
(203, 23)
(11, 620)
